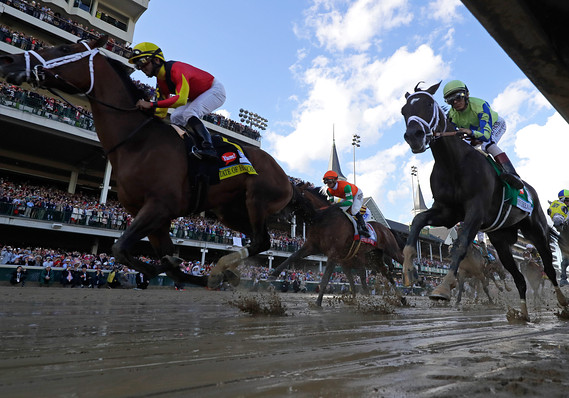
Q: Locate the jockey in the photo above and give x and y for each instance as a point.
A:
(352, 195)
(474, 118)
(191, 91)
(559, 209)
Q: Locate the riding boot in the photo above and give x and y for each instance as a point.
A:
(207, 152)
(362, 229)
(509, 174)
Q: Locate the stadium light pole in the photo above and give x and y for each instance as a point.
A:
(355, 143)
(413, 174)
(253, 119)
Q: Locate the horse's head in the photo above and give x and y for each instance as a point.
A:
(68, 67)
(423, 116)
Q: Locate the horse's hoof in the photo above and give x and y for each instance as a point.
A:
(439, 297)
(231, 277)
(214, 281)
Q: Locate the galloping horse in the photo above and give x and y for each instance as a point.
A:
(466, 187)
(476, 266)
(331, 233)
(533, 271)
(150, 160)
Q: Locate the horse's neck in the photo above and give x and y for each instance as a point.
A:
(112, 126)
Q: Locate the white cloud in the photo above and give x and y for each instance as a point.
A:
(519, 101)
(444, 11)
(543, 153)
(353, 93)
(359, 26)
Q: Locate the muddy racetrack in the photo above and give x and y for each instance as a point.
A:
(164, 343)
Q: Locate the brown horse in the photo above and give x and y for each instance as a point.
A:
(533, 271)
(478, 268)
(331, 233)
(150, 161)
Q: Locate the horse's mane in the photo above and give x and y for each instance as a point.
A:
(135, 91)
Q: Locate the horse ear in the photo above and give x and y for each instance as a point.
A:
(433, 89)
(100, 42)
(407, 95)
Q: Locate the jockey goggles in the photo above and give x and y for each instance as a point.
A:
(327, 180)
(455, 97)
(141, 63)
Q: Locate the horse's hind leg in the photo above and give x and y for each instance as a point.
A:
(538, 235)
(502, 240)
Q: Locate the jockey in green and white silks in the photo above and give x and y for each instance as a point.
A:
(475, 118)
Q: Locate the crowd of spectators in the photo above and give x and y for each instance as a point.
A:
(46, 14)
(232, 125)
(48, 203)
(49, 107)
(61, 111)
(19, 39)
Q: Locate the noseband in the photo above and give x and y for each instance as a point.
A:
(430, 126)
(39, 75)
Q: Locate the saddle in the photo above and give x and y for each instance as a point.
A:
(202, 174)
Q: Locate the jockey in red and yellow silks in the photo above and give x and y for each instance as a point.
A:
(192, 92)
(352, 195)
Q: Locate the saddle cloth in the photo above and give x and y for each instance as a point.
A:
(230, 154)
(372, 240)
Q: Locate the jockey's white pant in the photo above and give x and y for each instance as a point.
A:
(498, 131)
(356, 204)
(205, 103)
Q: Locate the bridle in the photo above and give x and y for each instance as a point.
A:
(430, 126)
(39, 73)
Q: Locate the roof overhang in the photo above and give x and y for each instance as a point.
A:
(533, 34)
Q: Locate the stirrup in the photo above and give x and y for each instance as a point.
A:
(205, 154)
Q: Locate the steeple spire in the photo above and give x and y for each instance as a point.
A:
(334, 163)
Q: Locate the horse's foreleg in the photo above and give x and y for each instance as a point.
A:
(164, 248)
(442, 291)
(460, 288)
(436, 215)
(306, 250)
(146, 223)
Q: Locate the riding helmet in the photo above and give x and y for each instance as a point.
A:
(145, 49)
(330, 174)
(563, 194)
(454, 86)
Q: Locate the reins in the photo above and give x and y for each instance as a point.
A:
(39, 73)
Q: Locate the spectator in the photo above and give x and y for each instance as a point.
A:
(141, 281)
(18, 276)
(99, 279)
(46, 276)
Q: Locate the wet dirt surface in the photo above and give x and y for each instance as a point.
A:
(165, 343)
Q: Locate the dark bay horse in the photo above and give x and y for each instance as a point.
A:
(466, 188)
(150, 161)
(331, 233)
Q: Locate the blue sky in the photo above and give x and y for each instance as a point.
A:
(311, 66)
